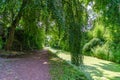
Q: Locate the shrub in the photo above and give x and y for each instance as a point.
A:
(107, 52)
(114, 55)
(99, 30)
(91, 44)
(101, 52)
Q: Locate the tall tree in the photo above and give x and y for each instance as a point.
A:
(14, 24)
(75, 22)
(69, 16)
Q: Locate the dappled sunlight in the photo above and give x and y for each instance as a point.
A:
(98, 69)
(54, 59)
(64, 56)
(45, 62)
(92, 60)
(61, 70)
(101, 69)
(60, 54)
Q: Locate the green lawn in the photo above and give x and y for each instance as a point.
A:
(97, 69)
(61, 70)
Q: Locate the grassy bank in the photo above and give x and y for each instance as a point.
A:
(61, 70)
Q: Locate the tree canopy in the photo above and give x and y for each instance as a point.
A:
(29, 23)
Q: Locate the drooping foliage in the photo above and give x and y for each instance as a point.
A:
(75, 29)
(33, 18)
(62, 24)
(33, 31)
(22, 20)
(70, 33)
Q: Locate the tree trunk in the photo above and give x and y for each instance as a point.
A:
(13, 26)
(10, 38)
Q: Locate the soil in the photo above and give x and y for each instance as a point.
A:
(33, 67)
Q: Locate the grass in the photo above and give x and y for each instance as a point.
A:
(97, 69)
(61, 70)
(101, 69)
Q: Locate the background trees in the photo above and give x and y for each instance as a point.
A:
(106, 28)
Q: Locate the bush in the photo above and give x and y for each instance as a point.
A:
(114, 55)
(91, 44)
(101, 52)
(107, 52)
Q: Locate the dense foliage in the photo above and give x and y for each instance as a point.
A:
(63, 24)
(106, 28)
(27, 23)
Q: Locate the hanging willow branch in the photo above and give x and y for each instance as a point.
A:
(68, 15)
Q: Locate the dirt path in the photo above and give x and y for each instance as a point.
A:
(29, 68)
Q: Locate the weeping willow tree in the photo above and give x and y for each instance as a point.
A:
(69, 16)
(74, 20)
